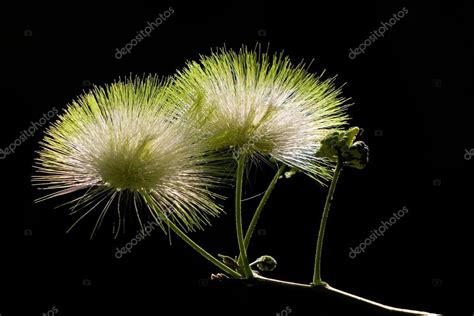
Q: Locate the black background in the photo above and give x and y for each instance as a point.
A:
(412, 91)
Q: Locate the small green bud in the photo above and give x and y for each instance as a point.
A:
(341, 145)
(357, 156)
(266, 263)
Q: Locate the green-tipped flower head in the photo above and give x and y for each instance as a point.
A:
(118, 143)
(261, 106)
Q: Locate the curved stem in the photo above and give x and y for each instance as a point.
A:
(355, 298)
(344, 297)
(319, 245)
(261, 205)
(282, 283)
(238, 216)
(189, 241)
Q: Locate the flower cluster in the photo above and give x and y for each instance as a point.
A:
(170, 140)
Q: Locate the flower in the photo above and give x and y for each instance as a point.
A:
(120, 143)
(260, 106)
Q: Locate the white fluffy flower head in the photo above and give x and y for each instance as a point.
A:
(119, 143)
(261, 106)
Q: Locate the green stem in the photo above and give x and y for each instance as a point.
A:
(262, 203)
(238, 216)
(319, 246)
(258, 211)
(189, 241)
(328, 293)
(253, 264)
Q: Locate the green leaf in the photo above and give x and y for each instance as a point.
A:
(229, 261)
